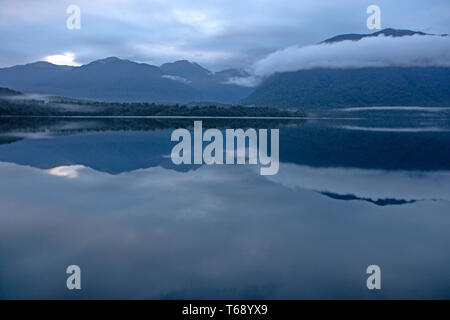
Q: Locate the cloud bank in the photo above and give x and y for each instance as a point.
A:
(381, 51)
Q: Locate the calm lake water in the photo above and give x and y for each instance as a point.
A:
(104, 194)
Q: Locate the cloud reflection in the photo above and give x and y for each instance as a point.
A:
(216, 232)
(65, 171)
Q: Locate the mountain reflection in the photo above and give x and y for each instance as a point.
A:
(178, 234)
(107, 144)
(112, 202)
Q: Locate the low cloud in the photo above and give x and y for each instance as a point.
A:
(251, 81)
(381, 51)
(177, 78)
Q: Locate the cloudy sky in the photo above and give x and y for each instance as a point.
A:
(215, 33)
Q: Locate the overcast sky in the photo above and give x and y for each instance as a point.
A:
(215, 33)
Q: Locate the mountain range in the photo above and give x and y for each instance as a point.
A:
(114, 79)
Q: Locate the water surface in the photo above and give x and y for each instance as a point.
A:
(104, 194)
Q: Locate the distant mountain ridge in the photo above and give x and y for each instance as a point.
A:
(114, 79)
(388, 32)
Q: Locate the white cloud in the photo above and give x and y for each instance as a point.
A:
(250, 81)
(66, 171)
(66, 59)
(378, 51)
(177, 78)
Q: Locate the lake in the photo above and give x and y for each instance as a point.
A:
(352, 190)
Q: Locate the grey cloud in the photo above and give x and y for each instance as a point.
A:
(217, 34)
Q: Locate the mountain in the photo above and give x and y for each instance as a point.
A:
(227, 74)
(331, 88)
(5, 92)
(322, 88)
(30, 75)
(389, 32)
(186, 69)
(114, 79)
